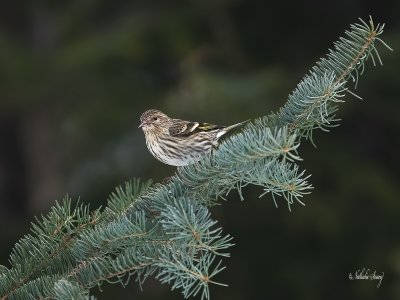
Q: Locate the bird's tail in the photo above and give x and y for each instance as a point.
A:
(228, 128)
(235, 125)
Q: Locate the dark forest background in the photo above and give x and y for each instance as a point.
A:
(75, 77)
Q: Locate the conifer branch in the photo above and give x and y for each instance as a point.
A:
(313, 103)
(166, 230)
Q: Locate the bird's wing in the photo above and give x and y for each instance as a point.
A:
(182, 128)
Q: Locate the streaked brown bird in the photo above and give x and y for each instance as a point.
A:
(177, 142)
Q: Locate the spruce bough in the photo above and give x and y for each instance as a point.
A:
(166, 230)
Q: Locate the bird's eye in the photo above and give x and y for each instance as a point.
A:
(155, 118)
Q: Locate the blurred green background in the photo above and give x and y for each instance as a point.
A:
(75, 77)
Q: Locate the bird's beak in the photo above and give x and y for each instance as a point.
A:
(141, 125)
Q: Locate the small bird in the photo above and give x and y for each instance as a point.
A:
(177, 142)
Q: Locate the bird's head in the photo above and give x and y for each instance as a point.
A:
(153, 120)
